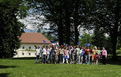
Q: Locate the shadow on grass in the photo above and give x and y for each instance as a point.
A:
(3, 66)
(25, 58)
(116, 61)
(4, 74)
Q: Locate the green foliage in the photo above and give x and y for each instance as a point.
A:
(99, 37)
(86, 38)
(10, 28)
(118, 51)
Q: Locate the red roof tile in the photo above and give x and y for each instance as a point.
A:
(33, 38)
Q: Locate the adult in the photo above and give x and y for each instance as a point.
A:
(104, 55)
(44, 54)
(56, 55)
(61, 50)
(77, 54)
(81, 55)
(70, 54)
(48, 53)
(52, 53)
(65, 55)
(37, 54)
(87, 55)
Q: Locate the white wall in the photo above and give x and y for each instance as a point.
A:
(26, 46)
(22, 53)
(25, 54)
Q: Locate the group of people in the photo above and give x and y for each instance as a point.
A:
(70, 54)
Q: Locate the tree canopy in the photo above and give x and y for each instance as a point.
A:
(10, 28)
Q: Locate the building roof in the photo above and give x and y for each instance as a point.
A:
(35, 38)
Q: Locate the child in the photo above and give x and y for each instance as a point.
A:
(94, 55)
(96, 58)
(99, 53)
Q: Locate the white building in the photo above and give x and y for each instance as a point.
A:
(28, 42)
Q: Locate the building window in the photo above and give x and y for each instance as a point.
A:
(29, 47)
(23, 47)
(35, 53)
(29, 53)
(22, 53)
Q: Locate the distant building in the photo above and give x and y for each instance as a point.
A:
(28, 42)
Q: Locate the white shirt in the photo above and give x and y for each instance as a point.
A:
(48, 51)
(70, 51)
(44, 51)
(80, 51)
(37, 51)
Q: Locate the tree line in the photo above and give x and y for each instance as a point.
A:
(65, 17)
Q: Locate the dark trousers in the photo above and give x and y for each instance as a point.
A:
(52, 59)
(103, 60)
(37, 57)
(44, 59)
(60, 57)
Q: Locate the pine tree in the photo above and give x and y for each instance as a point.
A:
(10, 28)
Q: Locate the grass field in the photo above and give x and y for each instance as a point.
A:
(28, 68)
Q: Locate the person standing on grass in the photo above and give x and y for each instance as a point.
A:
(61, 53)
(94, 55)
(38, 54)
(48, 53)
(52, 57)
(65, 55)
(104, 55)
(73, 54)
(44, 54)
(87, 55)
(56, 55)
(96, 58)
(99, 53)
(70, 54)
(77, 54)
(81, 53)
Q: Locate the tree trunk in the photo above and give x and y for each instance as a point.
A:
(60, 31)
(116, 30)
(67, 24)
(76, 35)
(76, 22)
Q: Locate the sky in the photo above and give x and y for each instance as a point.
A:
(32, 22)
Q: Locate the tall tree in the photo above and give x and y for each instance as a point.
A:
(10, 28)
(108, 18)
(99, 37)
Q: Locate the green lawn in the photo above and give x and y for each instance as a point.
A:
(28, 68)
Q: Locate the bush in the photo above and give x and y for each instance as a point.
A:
(118, 51)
